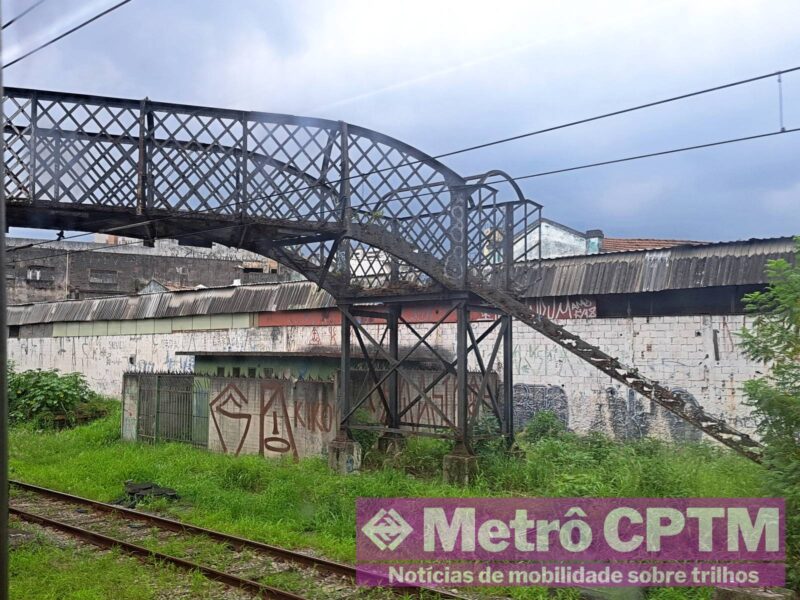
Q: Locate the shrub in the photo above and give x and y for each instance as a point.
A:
(422, 456)
(544, 424)
(47, 398)
(489, 440)
(365, 437)
(774, 339)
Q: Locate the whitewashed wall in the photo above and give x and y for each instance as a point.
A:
(677, 351)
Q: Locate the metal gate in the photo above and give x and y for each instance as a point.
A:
(172, 408)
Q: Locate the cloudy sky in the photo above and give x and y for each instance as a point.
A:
(442, 75)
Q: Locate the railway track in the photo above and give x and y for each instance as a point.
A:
(101, 524)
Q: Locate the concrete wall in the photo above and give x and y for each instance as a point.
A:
(696, 354)
(271, 417)
(84, 270)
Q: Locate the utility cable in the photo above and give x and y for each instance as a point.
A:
(23, 13)
(583, 121)
(66, 33)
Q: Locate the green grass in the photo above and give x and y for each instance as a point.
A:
(304, 505)
(42, 571)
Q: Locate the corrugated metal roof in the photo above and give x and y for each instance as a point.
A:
(681, 267)
(268, 297)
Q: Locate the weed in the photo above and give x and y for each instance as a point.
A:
(304, 505)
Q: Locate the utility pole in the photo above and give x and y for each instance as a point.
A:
(3, 383)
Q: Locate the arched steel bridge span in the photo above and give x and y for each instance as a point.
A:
(366, 216)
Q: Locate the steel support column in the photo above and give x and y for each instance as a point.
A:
(462, 392)
(344, 373)
(508, 380)
(346, 215)
(393, 322)
(32, 149)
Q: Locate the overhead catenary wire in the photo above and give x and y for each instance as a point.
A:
(566, 125)
(620, 160)
(660, 153)
(66, 33)
(10, 22)
(550, 129)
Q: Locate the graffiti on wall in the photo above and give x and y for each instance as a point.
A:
(271, 416)
(315, 415)
(530, 400)
(566, 308)
(275, 427)
(619, 412)
(230, 403)
(440, 408)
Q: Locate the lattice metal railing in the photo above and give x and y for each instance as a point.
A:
(309, 174)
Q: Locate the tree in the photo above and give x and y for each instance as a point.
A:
(774, 339)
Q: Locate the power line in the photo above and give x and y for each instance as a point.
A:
(561, 126)
(23, 13)
(619, 160)
(66, 33)
(661, 153)
(620, 112)
(542, 131)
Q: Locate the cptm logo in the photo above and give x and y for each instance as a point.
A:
(387, 529)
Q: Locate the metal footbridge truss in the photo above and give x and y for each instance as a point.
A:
(377, 223)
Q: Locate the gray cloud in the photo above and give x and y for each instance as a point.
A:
(441, 75)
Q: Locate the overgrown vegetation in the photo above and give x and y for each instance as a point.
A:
(48, 398)
(305, 505)
(774, 339)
